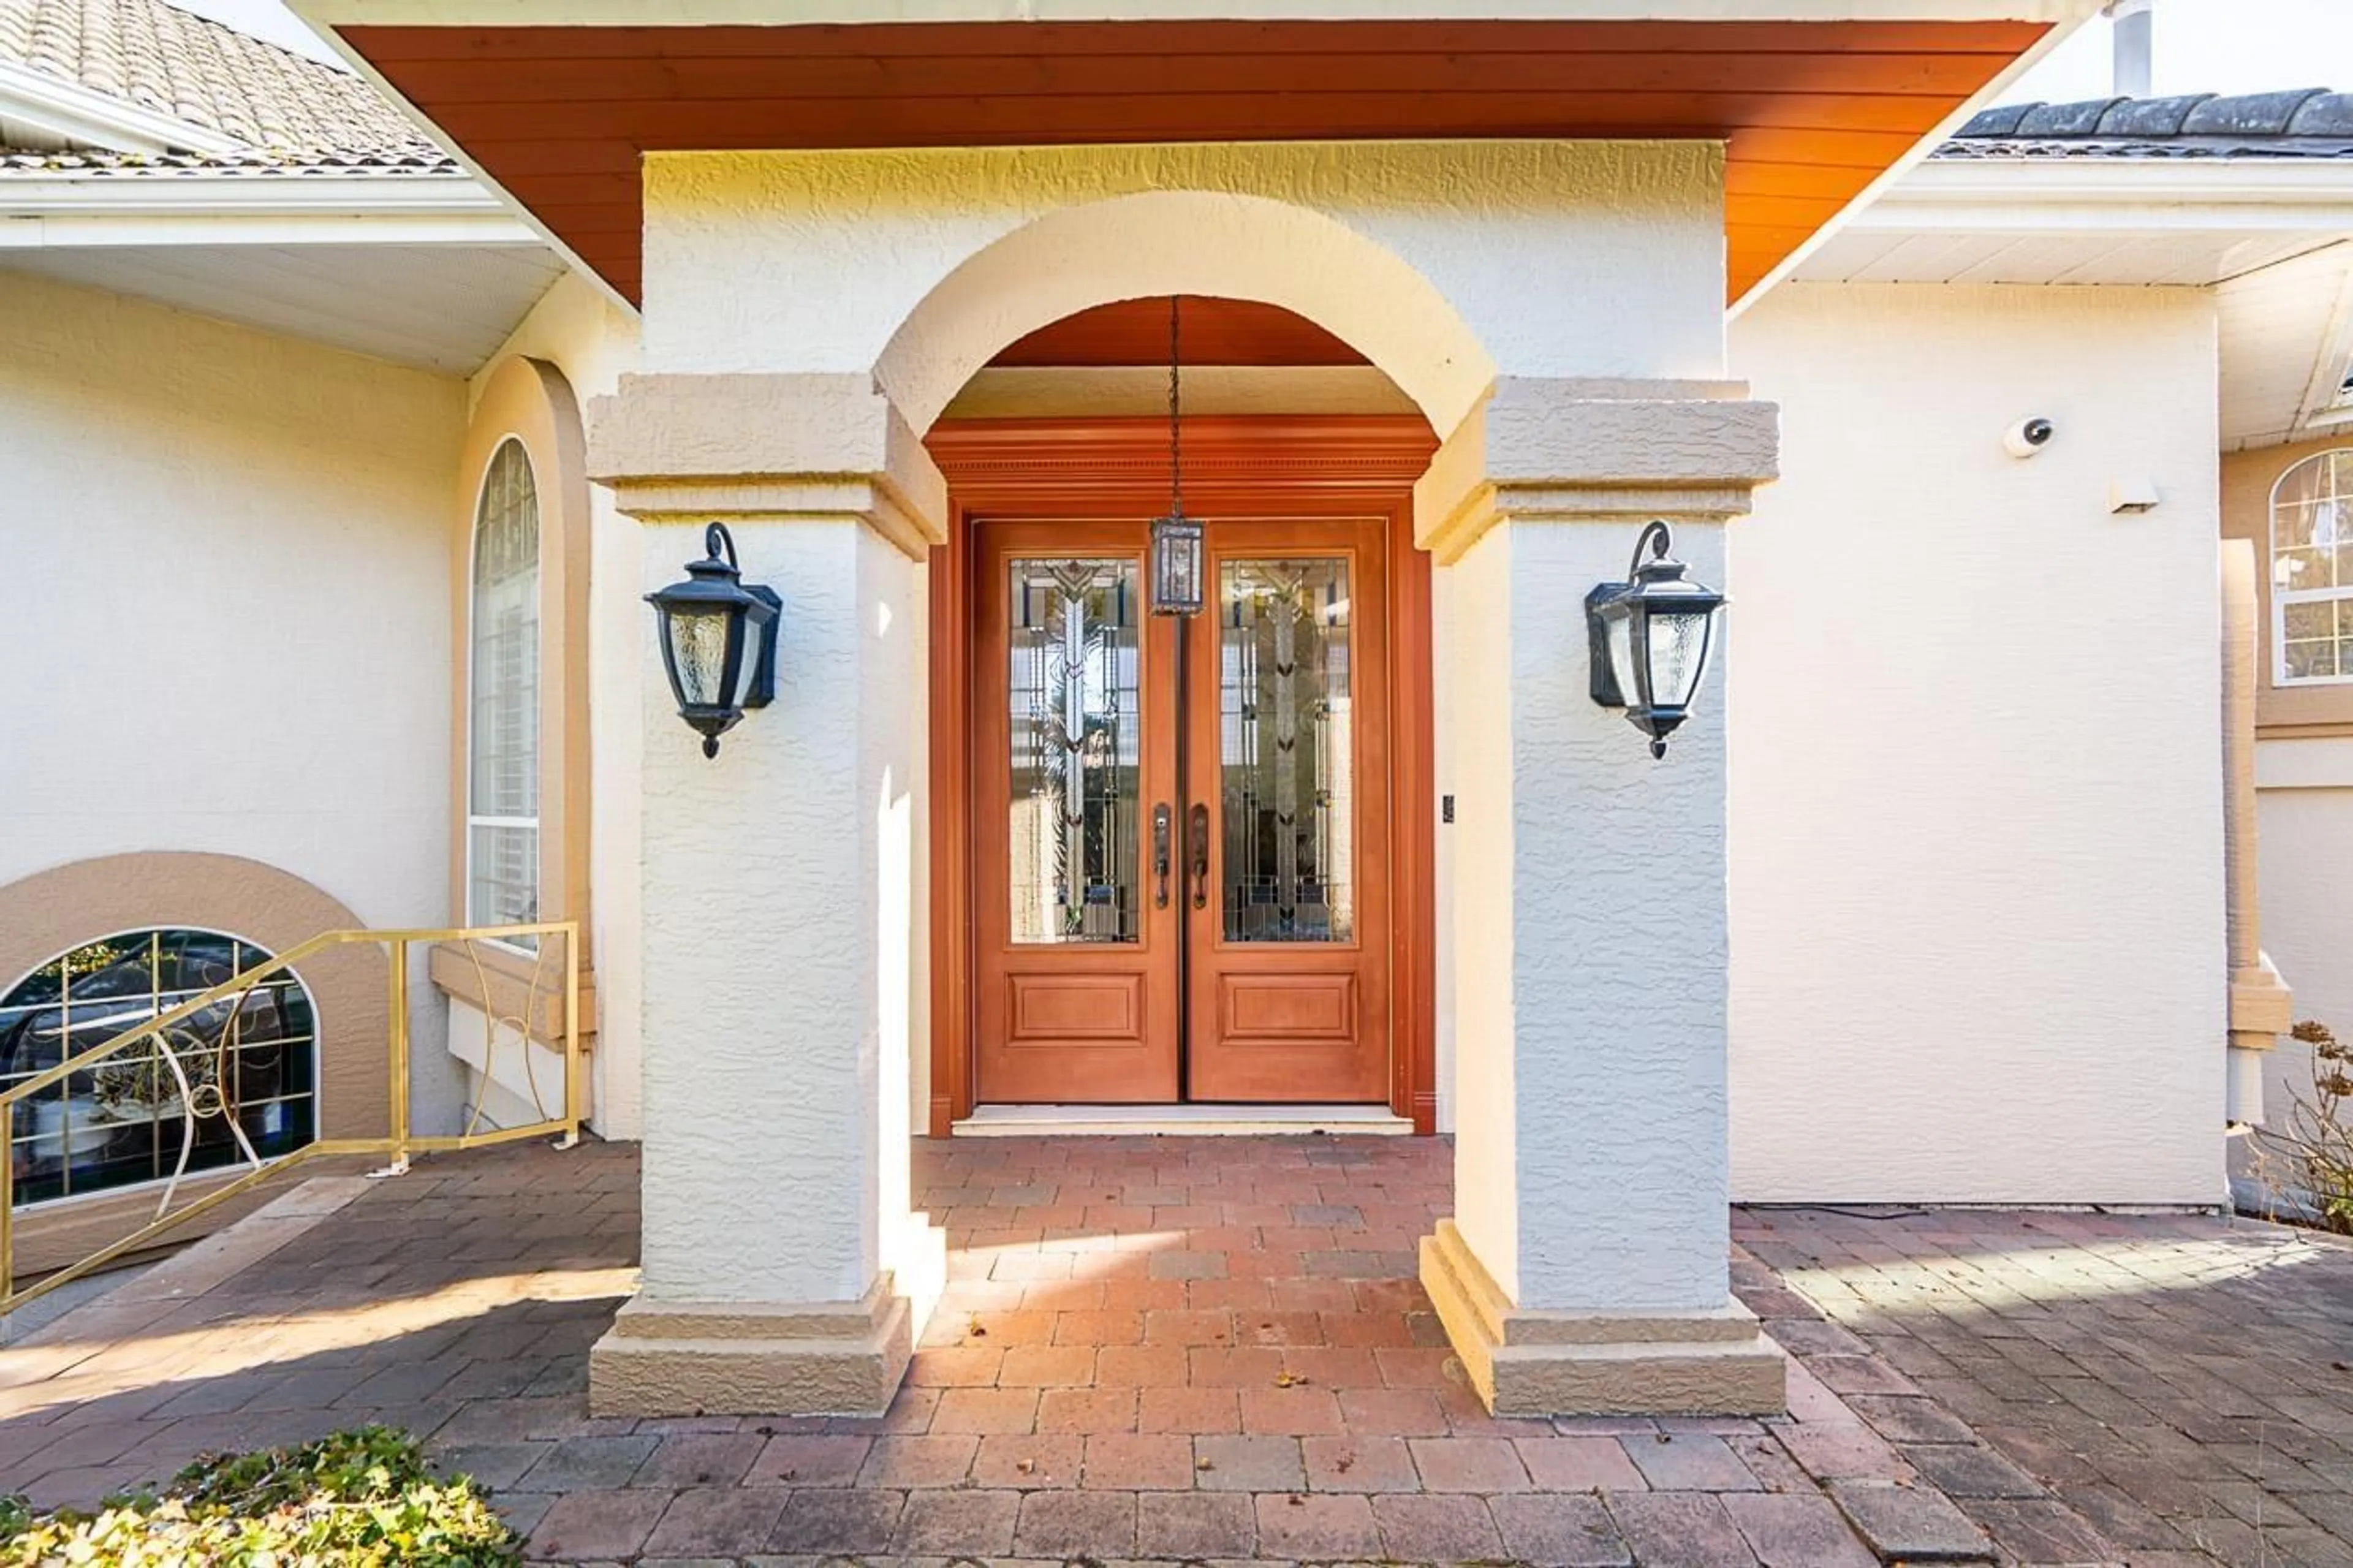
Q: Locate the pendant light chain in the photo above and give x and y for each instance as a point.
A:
(1176, 427)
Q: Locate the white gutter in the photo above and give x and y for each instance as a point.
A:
(2140, 194)
(42, 211)
(74, 113)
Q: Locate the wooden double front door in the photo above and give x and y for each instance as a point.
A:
(1181, 826)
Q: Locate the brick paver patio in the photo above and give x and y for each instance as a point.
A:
(1210, 1350)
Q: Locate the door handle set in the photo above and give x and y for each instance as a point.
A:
(1200, 852)
(1160, 826)
(1196, 854)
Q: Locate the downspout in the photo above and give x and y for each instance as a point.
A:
(2261, 1006)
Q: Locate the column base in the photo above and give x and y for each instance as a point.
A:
(749, 1358)
(1531, 1363)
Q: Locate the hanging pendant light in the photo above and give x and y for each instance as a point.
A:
(1176, 538)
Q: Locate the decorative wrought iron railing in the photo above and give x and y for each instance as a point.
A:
(176, 1037)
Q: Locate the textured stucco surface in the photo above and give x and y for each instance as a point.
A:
(919, 266)
(779, 915)
(1976, 818)
(594, 343)
(2304, 819)
(1590, 929)
(228, 624)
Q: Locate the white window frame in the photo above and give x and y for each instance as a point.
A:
(2282, 596)
(539, 588)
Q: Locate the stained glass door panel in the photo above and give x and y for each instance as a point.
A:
(1286, 750)
(1076, 714)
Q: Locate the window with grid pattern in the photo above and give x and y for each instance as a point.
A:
(502, 779)
(2312, 571)
(235, 1080)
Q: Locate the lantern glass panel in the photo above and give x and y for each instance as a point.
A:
(1620, 626)
(1679, 642)
(698, 646)
(1176, 566)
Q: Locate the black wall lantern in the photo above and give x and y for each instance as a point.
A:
(1650, 639)
(1177, 586)
(718, 640)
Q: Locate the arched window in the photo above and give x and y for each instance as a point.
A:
(247, 1065)
(2312, 571)
(502, 780)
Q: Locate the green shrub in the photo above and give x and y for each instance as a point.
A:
(354, 1499)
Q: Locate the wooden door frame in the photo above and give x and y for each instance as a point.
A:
(1289, 465)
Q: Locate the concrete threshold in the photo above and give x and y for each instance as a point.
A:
(1178, 1121)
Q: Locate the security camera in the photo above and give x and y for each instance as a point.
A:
(2027, 436)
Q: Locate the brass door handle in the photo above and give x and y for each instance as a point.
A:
(1200, 838)
(1160, 826)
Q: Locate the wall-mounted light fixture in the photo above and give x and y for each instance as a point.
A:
(718, 640)
(1177, 586)
(1650, 637)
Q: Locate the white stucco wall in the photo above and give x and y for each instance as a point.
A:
(228, 625)
(1976, 820)
(2304, 807)
(780, 918)
(921, 265)
(594, 343)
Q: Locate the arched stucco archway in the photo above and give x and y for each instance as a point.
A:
(1187, 242)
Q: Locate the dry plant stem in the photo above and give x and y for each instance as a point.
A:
(2312, 1146)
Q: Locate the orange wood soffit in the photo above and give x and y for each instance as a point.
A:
(1811, 111)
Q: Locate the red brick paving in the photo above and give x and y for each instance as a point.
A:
(1206, 1349)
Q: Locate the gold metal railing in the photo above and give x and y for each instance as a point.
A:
(399, 1143)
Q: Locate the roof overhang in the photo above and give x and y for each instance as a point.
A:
(2127, 221)
(556, 101)
(2271, 239)
(428, 270)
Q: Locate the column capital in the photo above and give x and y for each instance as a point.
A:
(689, 448)
(1577, 451)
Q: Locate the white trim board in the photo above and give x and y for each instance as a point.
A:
(40, 212)
(1178, 1121)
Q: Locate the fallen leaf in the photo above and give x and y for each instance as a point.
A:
(1343, 1462)
(1027, 1467)
(1298, 1502)
(1203, 1464)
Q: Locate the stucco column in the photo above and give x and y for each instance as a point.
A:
(1584, 1270)
(782, 1271)
(2262, 1005)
